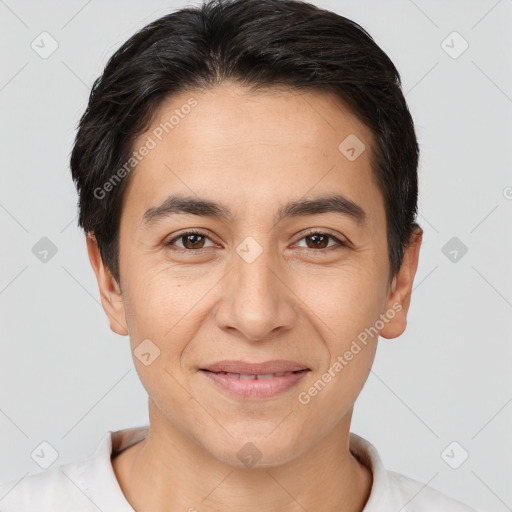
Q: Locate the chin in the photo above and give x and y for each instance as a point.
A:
(255, 452)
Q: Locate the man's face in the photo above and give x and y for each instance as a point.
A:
(251, 287)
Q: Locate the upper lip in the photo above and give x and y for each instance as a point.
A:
(276, 366)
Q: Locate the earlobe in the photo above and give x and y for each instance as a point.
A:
(399, 298)
(110, 293)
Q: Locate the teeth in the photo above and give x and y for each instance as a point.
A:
(254, 377)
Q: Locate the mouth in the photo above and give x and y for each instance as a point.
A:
(256, 376)
(264, 368)
(255, 380)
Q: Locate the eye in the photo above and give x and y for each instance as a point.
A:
(319, 240)
(192, 240)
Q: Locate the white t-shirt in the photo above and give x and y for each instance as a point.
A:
(90, 484)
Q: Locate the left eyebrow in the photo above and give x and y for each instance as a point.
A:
(334, 203)
(179, 204)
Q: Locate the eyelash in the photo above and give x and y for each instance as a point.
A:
(340, 244)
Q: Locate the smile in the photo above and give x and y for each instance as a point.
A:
(255, 386)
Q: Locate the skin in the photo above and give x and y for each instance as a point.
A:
(252, 152)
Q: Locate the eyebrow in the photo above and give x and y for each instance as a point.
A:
(191, 205)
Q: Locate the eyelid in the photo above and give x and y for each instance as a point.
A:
(324, 231)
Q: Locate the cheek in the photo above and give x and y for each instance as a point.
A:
(346, 304)
(344, 300)
(340, 385)
(161, 310)
(163, 305)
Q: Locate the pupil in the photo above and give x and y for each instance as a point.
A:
(190, 238)
(316, 237)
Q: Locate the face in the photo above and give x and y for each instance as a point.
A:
(257, 280)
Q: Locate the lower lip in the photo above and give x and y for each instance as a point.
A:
(255, 388)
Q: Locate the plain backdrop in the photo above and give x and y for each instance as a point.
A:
(65, 379)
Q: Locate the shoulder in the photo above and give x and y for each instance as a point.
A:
(50, 490)
(87, 485)
(417, 497)
(394, 491)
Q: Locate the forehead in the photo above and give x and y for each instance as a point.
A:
(244, 149)
(231, 115)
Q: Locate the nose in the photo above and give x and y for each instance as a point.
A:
(256, 302)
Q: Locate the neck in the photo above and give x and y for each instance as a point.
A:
(168, 471)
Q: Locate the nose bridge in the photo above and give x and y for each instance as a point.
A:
(256, 302)
(253, 275)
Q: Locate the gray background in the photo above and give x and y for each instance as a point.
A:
(66, 379)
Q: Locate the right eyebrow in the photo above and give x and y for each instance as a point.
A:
(175, 204)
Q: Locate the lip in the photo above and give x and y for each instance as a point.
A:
(276, 366)
(255, 389)
(226, 375)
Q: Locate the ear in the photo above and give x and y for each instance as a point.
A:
(399, 297)
(110, 292)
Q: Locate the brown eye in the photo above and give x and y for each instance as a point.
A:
(317, 240)
(196, 241)
(191, 240)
